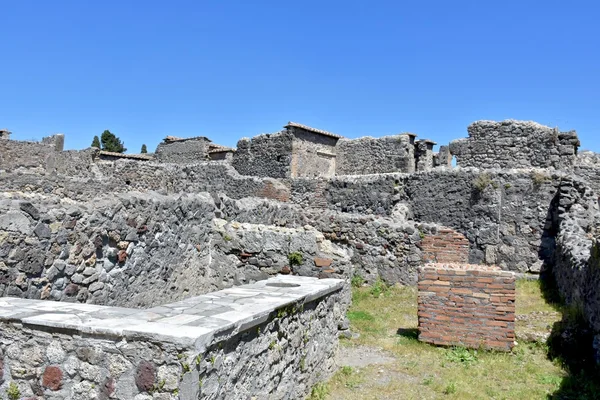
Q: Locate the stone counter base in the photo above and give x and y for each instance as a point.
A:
(271, 340)
(467, 305)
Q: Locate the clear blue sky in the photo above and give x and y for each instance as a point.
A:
(228, 69)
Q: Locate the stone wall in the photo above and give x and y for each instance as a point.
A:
(25, 155)
(146, 249)
(267, 155)
(587, 167)
(207, 347)
(183, 151)
(424, 155)
(313, 154)
(83, 180)
(465, 305)
(515, 144)
(575, 229)
(376, 155)
(503, 214)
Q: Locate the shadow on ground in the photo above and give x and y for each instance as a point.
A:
(571, 345)
(409, 333)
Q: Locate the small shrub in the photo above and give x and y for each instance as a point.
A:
(462, 355)
(357, 281)
(450, 388)
(13, 392)
(482, 182)
(379, 288)
(295, 258)
(538, 178)
(319, 392)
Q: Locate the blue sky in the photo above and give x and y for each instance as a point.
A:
(228, 69)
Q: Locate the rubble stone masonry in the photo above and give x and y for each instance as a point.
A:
(467, 305)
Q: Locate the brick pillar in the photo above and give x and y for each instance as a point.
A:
(467, 305)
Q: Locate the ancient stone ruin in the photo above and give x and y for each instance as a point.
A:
(200, 270)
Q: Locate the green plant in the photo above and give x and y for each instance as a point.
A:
(495, 184)
(186, 367)
(13, 391)
(461, 355)
(379, 288)
(213, 359)
(450, 388)
(428, 381)
(538, 178)
(272, 345)
(198, 359)
(346, 370)
(507, 186)
(319, 392)
(357, 281)
(295, 258)
(482, 182)
(360, 316)
(227, 238)
(303, 363)
(421, 234)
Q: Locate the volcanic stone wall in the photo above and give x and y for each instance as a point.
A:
(466, 305)
(142, 249)
(587, 167)
(184, 151)
(207, 347)
(503, 214)
(268, 155)
(376, 155)
(515, 144)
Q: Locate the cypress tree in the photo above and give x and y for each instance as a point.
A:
(110, 142)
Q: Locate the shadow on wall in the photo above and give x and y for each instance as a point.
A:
(571, 345)
(571, 340)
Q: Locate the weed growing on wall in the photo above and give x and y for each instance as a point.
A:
(482, 182)
(295, 258)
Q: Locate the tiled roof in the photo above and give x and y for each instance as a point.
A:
(142, 157)
(315, 130)
(171, 139)
(217, 148)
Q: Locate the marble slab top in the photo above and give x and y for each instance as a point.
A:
(190, 323)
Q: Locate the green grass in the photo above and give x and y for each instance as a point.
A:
(386, 319)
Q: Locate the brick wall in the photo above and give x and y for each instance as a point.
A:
(275, 191)
(446, 246)
(468, 305)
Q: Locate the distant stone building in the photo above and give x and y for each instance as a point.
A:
(515, 144)
(5, 134)
(183, 151)
(298, 151)
(217, 152)
(370, 155)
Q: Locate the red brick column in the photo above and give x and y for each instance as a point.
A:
(468, 305)
(446, 246)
